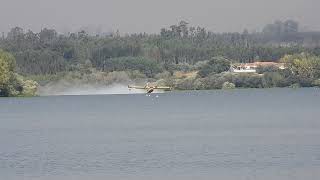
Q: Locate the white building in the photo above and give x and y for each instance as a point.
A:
(252, 67)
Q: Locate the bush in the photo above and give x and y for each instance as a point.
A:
(264, 69)
(316, 82)
(215, 81)
(199, 84)
(248, 80)
(228, 85)
(19, 87)
(273, 79)
(295, 85)
(185, 84)
(29, 88)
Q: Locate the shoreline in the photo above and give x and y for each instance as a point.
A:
(170, 92)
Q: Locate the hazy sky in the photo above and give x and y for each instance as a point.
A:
(151, 15)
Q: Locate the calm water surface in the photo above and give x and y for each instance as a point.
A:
(240, 134)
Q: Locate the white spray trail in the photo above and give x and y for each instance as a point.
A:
(56, 90)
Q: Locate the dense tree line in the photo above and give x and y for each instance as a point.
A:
(49, 52)
(207, 56)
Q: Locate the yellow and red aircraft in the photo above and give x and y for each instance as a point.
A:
(150, 88)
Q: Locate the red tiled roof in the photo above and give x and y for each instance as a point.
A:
(256, 64)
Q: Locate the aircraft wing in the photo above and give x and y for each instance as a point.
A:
(136, 87)
(163, 88)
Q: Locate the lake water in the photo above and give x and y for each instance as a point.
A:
(226, 135)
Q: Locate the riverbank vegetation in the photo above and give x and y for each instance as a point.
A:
(181, 56)
(11, 83)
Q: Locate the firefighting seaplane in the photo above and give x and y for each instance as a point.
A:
(150, 88)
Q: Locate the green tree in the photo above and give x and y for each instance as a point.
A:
(4, 73)
(146, 66)
(7, 65)
(216, 65)
(306, 68)
(11, 84)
